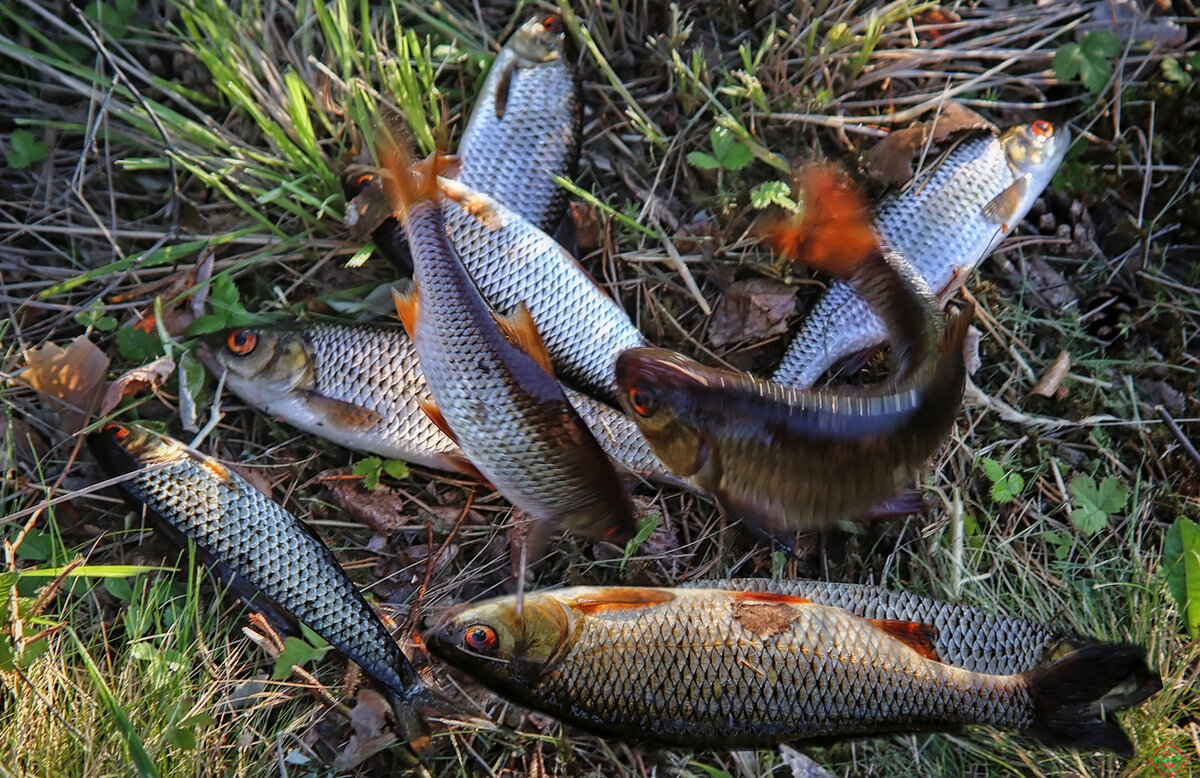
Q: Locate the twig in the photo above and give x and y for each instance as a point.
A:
(1183, 439)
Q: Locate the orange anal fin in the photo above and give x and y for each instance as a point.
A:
(621, 599)
(519, 330)
(408, 305)
(787, 599)
(342, 413)
(1003, 207)
(435, 415)
(917, 636)
(460, 464)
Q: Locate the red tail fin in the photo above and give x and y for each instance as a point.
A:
(835, 232)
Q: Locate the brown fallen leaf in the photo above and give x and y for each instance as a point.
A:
(138, 379)
(369, 720)
(369, 208)
(587, 226)
(381, 508)
(1051, 382)
(752, 309)
(890, 160)
(72, 376)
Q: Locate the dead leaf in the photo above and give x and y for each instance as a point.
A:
(72, 376)
(752, 309)
(931, 23)
(1052, 380)
(381, 508)
(801, 765)
(136, 380)
(369, 720)
(890, 160)
(369, 208)
(587, 226)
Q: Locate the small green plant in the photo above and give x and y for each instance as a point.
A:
(729, 153)
(1181, 566)
(372, 468)
(645, 529)
(137, 345)
(1007, 485)
(1094, 504)
(770, 193)
(226, 304)
(298, 651)
(1090, 59)
(25, 150)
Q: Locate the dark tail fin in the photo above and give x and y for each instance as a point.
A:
(1075, 696)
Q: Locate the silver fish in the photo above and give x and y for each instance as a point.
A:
(524, 128)
(944, 224)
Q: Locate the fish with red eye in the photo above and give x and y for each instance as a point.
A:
(241, 342)
(118, 431)
(481, 639)
(553, 24)
(1042, 128)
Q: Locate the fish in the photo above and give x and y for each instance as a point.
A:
(963, 636)
(525, 126)
(783, 459)
(361, 386)
(194, 497)
(943, 224)
(492, 380)
(709, 668)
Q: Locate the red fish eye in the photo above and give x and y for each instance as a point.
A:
(1043, 128)
(642, 402)
(553, 25)
(118, 431)
(241, 342)
(481, 638)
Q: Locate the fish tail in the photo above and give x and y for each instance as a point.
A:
(835, 233)
(1075, 696)
(408, 182)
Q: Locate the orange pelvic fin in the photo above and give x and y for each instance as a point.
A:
(917, 636)
(435, 415)
(408, 305)
(621, 599)
(519, 329)
(835, 231)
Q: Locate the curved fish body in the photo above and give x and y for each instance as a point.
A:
(786, 459)
(944, 224)
(963, 636)
(490, 377)
(268, 548)
(512, 262)
(524, 128)
(708, 668)
(361, 386)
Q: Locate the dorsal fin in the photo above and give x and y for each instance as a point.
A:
(917, 636)
(787, 599)
(408, 304)
(519, 329)
(621, 599)
(429, 405)
(835, 232)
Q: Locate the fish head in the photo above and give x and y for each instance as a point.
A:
(500, 643)
(1035, 150)
(658, 388)
(259, 364)
(541, 39)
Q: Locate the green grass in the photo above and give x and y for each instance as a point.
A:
(211, 127)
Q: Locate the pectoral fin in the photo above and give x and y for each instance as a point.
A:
(1003, 206)
(519, 330)
(621, 599)
(342, 413)
(917, 636)
(503, 86)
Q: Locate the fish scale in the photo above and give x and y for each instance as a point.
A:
(938, 225)
(269, 548)
(966, 637)
(524, 128)
(511, 262)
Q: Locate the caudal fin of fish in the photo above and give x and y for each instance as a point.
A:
(835, 232)
(408, 182)
(1076, 696)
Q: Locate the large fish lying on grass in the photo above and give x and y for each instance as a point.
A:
(361, 387)
(244, 532)
(705, 668)
(524, 128)
(784, 459)
(943, 224)
(491, 376)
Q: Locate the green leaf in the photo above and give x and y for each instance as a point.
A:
(645, 529)
(1181, 565)
(138, 346)
(370, 469)
(771, 193)
(295, 652)
(1173, 71)
(205, 324)
(703, 161)
(94, 317)
(395, 468)
(1095, 504)
(1066, 62)
(729, 151)
(25, 150)
(36, 547)
(119, 588)
(995, 472)
(1006, 486)
(1100, 44)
